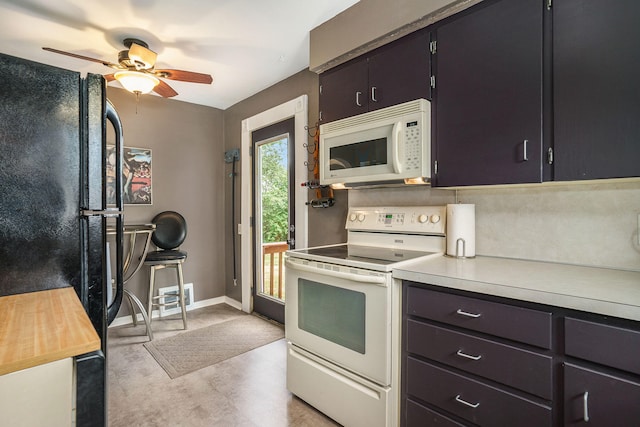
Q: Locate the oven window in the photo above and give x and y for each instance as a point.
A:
(366, 153)
(335, 314)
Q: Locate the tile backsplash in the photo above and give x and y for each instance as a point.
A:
(593, 224)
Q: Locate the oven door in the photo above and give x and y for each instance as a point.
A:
(341, 314)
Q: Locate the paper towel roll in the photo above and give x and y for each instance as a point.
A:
(461, 230)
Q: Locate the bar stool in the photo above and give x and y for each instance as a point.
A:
(170, 232)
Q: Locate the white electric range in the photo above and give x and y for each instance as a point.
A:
(342, 317)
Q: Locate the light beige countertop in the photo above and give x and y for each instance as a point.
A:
(42, 327)
(597, 290)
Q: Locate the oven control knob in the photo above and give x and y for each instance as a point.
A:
(360, 217)
(422, 219)
(352, 217)
(435, 219)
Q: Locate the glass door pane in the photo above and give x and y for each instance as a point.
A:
(272, 207)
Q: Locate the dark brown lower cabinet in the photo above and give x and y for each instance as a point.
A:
(462, 365)
(420, 415)
(472, 400)
(597, 399)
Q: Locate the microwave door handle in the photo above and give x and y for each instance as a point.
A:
(397, 145)
(338, 274)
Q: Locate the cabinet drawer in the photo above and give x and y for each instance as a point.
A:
(525, 370)
(608, 345)
(603, 399)
(502, 320)
(472, 400)
(421, 416)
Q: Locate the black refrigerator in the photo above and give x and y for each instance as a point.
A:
(53, 211)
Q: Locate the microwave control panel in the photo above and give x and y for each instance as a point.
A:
(412, 146)
(404, 219)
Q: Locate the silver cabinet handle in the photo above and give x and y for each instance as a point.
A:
(585, 399)
(464, 402)
(467, 314)
(373, 94)
(468, 356)
(358, 99)
(525, 157)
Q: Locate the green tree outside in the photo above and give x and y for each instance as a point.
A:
(275, 194)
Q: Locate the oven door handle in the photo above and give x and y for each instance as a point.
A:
(340, 274)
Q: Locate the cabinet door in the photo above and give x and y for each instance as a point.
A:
(596, 65)
(400, 72)
(597, 399)
(488, 95)
(344, 91)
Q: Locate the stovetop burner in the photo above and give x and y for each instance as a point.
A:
(369, 254)
(370, 257)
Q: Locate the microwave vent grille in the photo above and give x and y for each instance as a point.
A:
(384, 113)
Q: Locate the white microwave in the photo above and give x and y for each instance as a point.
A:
(389, 145)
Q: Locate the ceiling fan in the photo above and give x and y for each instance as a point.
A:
(137, 72)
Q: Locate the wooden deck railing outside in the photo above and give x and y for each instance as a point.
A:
(272, 269)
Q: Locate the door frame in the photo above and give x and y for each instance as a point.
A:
(298, 109)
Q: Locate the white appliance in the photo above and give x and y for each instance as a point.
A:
(387, 145)
(343, 312)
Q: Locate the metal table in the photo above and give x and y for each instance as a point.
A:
(144, 231)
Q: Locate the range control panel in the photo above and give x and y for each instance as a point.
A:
(403, 219)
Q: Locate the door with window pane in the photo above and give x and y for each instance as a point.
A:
(274, 228)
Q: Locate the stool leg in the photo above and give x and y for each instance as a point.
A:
(181, 292)
(134, 317)
(152, 278)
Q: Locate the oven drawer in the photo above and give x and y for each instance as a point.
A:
(473, 400)
(341, 395)
(608, 345)
(525, 370)
(506, 321)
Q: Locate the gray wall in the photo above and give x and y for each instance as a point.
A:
(325, 225)
(187, 176)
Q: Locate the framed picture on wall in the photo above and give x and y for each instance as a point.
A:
(136, 176)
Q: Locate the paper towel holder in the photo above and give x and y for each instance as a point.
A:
(464, 250)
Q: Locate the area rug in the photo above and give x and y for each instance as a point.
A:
(189, 351)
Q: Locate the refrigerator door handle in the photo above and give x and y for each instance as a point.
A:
(117, 212)
(109, 212)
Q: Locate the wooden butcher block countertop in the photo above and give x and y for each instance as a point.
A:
(42, 327)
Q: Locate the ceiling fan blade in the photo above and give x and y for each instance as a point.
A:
(86, 58)
(109, 77)
(185, 76)
(164, 90)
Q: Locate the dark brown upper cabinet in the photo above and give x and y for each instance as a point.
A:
(488, 96)
(596, 89)
(392, 74)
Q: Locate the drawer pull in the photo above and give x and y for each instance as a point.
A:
(467, 314)
(585, 398)
(468, 356)
(464, 402)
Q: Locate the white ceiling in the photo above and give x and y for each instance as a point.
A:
(246, 45)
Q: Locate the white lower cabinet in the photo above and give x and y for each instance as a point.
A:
(39, 396)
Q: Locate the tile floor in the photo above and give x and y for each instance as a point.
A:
(247, 390)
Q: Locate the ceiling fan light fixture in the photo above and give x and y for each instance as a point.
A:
(136, 82)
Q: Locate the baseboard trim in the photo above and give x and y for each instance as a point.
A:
(128, 320)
